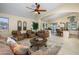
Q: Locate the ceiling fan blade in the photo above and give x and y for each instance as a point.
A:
(42, 10)
(33, 11)
(30, 8)
(37, 5)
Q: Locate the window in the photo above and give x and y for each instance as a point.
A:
(24, 25)
(43, 25)
(4, 23)
(72, 25)
(54, 27)
(19, 25)
(46, 25)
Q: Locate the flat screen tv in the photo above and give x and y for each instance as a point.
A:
(4, 23)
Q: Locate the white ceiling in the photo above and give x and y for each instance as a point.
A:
(53, 9)
(19, 9)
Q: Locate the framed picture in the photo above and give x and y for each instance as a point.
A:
(24, 25)
(19, 25)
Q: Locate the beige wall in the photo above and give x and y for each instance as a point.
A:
(13, 22)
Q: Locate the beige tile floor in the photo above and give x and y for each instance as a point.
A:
(70, 47)
(53, 46)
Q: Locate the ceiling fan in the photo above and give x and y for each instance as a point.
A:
(37, 8)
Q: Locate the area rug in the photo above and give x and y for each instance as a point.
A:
(47, 51)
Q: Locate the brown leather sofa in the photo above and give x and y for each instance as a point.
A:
(30, 34)
(21, 36)
(43, 33)
(17, 35)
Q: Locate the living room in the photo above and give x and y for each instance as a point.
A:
(45, 30)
